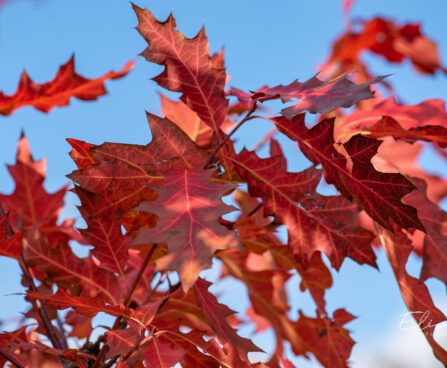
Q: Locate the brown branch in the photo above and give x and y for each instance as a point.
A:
(219, 146)
(60, 326)
(126, 303)
(9, 230)
(149, 296)
(253, 211)
(40, 305)
(9, 357)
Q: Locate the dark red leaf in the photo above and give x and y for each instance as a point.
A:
(378, 193)
(217, 314)
(188, 67)
(317, 96)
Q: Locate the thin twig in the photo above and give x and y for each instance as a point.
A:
(9, 357)
(219, 146)
(254, 209)
(9, 230)
(40, 305)
(159, 282)
(62, 333)
(126, 303)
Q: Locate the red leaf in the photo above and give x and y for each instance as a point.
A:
(402, 157)
(216, 314)
(89, 307)
(326, 338)
(378, 193)
(80, 153)
(317, 96)
(105, 235)
(81, 325)
(61, 265)
(58, 92)
(161, 354)
(121, 341)
(189, 68)
(189, 121)
(9, 247)
(414, 291)
(316, 278)
(122, 170)
(387, 126)
(383, 37)
(313, 222)
(427, 113)
(267, 295)
(435, 243)
(189, 207)
(30, 203)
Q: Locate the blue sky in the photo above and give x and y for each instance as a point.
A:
(265, 43)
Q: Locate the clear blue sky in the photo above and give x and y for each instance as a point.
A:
(265, 43)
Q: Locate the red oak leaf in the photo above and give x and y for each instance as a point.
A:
(30, 203)
(89, 307)
(325, 338)
(161, 354)
(414, 291)
(316, 278)
(317, 96)
(255, 236)
(9, 247)
(122, 170)
(58, 92)
(187, 120)
(383, 37)
(388, 127)
(216, 314)
(211, 354)
(435, 242)
(61, 265)
(312, 221)
(378, 193)
(81, 325)
(183, 306)
(427, 113)
(189, 207)
(266, 293)
(121, 341)
(105, 235)
(80, 153)
(188, 67)
(398, 156)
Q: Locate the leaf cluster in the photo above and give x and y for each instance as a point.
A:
(155, 215)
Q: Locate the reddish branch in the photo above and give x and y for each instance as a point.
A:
(126, 303)
(245, 119)
(9, 357)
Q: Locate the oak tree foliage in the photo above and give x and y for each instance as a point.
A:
(155, 220)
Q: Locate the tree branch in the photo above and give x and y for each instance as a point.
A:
(219, 146)
(126, 303)
(10, 358)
